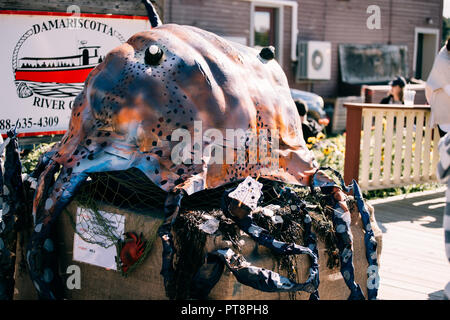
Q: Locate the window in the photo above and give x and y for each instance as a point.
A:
(267, 28)
(264, 27)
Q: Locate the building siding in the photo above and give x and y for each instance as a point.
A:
(324, 20)
(223, 17)
(337, 21)
(345, 22)
(123, 7)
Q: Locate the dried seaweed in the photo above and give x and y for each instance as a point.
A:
(189, 242)
(190, 239)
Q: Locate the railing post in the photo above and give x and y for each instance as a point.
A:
(352, 143)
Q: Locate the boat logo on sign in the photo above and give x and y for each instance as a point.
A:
(52, 59)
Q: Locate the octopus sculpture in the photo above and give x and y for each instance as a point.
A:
(168, 78)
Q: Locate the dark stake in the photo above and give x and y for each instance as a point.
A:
(152, 15)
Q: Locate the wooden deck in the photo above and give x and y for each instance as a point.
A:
(413, 261)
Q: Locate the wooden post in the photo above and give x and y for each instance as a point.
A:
(352, 143)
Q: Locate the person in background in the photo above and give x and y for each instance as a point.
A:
(437, 90)
(438, 95)
(395, 96)
(443, 174)
(310, 127)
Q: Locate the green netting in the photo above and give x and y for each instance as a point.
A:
(96, 227)
(133, 191)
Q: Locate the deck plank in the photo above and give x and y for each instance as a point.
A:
(413, 261)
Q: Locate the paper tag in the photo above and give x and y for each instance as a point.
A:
(248, 192)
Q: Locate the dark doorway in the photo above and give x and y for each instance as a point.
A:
(425, 54)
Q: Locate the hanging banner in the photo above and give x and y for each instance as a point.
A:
(45, 58)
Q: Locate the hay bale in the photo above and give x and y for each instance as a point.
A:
(146, 282)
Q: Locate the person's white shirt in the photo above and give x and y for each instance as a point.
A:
(438, 90)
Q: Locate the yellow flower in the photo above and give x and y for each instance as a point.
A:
(309, 146)
(312, 140)
(327, 150)
(320, 136)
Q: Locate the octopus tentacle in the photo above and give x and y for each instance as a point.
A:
(43, 162)
(41, 257)
(45, 182)
(171, 209)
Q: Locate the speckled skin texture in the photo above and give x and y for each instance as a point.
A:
(128, 110)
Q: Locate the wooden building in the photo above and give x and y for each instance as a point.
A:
(284, 23)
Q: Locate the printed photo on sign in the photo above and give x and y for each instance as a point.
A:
(95, 237)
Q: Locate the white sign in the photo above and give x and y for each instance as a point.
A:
(108, 232)
(45, 59)
(248, 192)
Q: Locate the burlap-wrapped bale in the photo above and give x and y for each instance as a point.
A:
(147, 283)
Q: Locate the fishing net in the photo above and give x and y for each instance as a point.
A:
(133, 191)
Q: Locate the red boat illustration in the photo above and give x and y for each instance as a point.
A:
(68, 69)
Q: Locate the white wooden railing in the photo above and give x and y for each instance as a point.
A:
(390, 146)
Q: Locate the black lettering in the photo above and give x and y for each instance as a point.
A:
(99, 25)
(36, 28)
(51, 24)
(72, 23)
(63, 23)
(37, 102)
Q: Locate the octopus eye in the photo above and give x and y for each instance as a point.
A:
(267, 53)
(153, 55)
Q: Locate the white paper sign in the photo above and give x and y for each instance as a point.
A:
(88, 227)
(248, 192)
(45, 58)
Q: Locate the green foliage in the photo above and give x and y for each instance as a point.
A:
(30, 161)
